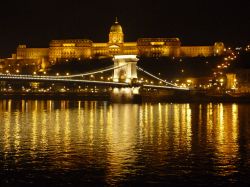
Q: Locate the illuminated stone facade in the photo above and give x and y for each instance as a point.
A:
(69, 49)
(31, 56)
(84, 48)
(31, 53)
(158, 46)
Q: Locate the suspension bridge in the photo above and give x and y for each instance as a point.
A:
(124, 80)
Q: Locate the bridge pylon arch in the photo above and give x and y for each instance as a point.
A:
(127, 71)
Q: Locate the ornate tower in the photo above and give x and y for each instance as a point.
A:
(127, 71)
(116, 35)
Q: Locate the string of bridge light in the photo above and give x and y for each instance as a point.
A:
(168, 87)
(91, 73)
(156, 77)
(68, 76)
(47, 78)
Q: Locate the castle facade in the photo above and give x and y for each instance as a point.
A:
(85, 49)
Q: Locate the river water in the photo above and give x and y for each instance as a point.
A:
(96, 143)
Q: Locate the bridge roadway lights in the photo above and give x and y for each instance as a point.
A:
(128, 71)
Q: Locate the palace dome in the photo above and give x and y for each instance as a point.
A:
(116, 27)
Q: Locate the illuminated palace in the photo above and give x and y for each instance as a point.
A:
(84, 49)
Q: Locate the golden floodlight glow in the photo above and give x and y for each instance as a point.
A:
(114, 46)
(157, 43)
(69, 45)
(124, 56)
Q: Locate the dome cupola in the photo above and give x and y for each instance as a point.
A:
(116, 35)
(116, 27)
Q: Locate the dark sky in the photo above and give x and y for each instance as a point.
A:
(35, 22)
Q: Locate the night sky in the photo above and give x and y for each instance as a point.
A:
(35, 22)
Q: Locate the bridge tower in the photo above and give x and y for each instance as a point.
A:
(128, 71)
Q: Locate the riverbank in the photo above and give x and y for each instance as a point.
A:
(176, 98)
(199, 97)
(55, 96)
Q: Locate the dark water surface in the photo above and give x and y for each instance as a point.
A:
(73, 143)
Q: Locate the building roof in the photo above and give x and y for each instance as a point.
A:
(116, 27)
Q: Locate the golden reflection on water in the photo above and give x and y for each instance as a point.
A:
(17, 133)
(117, 133)
(121, 140)
(6, 133)
(226, 144)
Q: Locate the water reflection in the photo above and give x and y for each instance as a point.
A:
(115, 144)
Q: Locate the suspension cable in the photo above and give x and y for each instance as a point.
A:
(75, 75)
(91, 73)
(155, 77)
